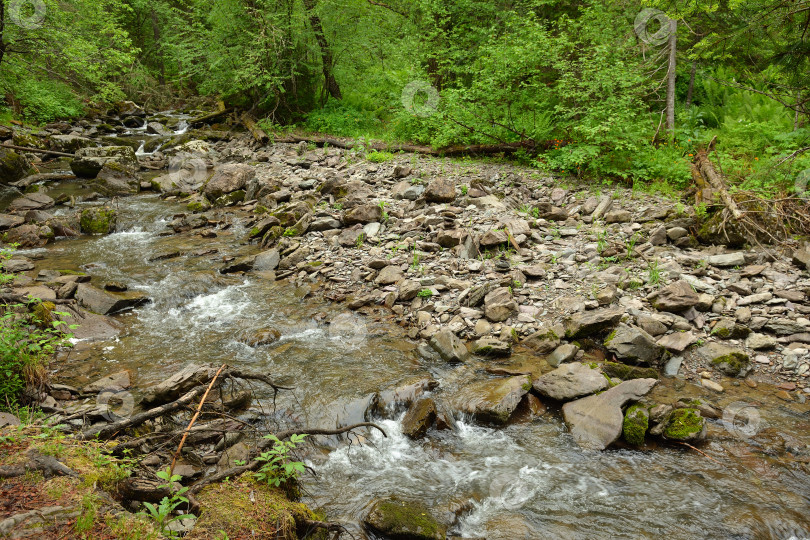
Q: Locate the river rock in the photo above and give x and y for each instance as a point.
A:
(449, 346)
(242, 264)
(400, 520)
(634, 344)
(116, 381)
(178, 384)
(635, 425)
(98, 220)
(677, 341)
(227, 179)
(440, 190)
(267, 261)
(105, 303)
(675, 298)
(685, 425)
(13, 166)
(499, 305)
(801, 257)
(390, 275)
(31, 201)
(760, 342)
(729, 329)
(626, 373)
(562, 354)
(491, 346)
(570, 381)
(491, 239)
(596, 421)
(89, 161)
(491, 401)
(727, 260)
(420, 416)
(8, 221)
(116, 179)
(263, 336)
(591, 322)
(366, 213)
(731, 361)
(544, 340)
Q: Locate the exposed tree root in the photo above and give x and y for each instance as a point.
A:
(47, 465)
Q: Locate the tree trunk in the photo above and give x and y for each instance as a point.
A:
(795, 117)
(330, 82)
(673, 49)
(158, 47)
(691, 85)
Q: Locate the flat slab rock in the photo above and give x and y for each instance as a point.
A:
(571, 381)
(596, 421)
(491, 401)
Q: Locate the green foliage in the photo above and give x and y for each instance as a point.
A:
(43, 100)
(425, 293)
(276, 467)
(379, 157)
(162, 512)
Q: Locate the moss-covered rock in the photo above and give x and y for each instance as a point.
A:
(89, 161)
(247, 508)
(626, 373)
(685, 425)
(13, 166)
(401, 520)
(635, 425)
(98, 220)
(198, 203)
(230, 198)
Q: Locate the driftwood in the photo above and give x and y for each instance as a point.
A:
(254, 129)
(265, 443)
(37, 150)
(459, 150)
(706, 169)
(43, 177)
(210, 118)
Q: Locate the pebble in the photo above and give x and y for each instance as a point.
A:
(711, 385)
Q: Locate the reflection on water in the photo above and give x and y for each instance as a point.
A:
(526, 481)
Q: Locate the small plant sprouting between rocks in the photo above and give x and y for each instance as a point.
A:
(277, 469)
(162, 512)
(654, 274)
(425, 293)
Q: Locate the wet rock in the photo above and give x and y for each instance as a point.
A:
(490, 346)
(544, 340)
(591, 322)
(267, 261)
(8, 221)
(440, 190)
(408, 289)
(596, 421)
(635, 425)
(784, 326)
(263, 336)
(98, 220)
(236, 453)
(402, 171)
(17, 264)
(685, 425)
(760, 342)
(228, 179)
(116, 179)
(366, 213)
(420, 416)
(499, 305)
(13, 166)
(105, 303)
(116, 381)
(731, 361)
(627, 373)
(449, 346)
(492, 401)
(242, 264)
(571, 381)
(196, 202)
(562, 354)
(400, 520)
(89, 161)
(675, 298)
(26, 236)
(634, 344)
(31, 201)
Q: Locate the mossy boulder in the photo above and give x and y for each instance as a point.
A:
(400, 520)
(98, 220)
(247, 508)
(198, 203)
(29, 140)
(116, 179)
(13, 166)
(732, 362)
(635, 425)
(89, 161)
(627, 373)
(230, 199)
(685, 425)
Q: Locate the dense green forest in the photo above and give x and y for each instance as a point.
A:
(621, 90)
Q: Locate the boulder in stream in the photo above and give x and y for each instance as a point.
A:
(89, 161)
(400, 520)
(106, 303)
(492, 401)
(571, 381)
(420, 416)
(98, 220)
(13, 166)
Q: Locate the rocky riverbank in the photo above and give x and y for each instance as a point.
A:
(541, 291)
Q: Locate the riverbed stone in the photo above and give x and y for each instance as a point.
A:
(491, 401)
(178, 384)
(633, 344)
(675, 298)
(365, 213)
(13, 165)
(31, 201)
(562, 354)
(732, 361)
(499, 305)
(106, 303)
(491, 346)
(596, 421)
(227, 179)
(440, 190)
(98, 220)
(545, 340)
(571, 381)
(449, 346)
(89, 161)
(116, 179)
(400, 520)
(420, 417)
(266, 261)
(685, 425)
(390, 275)
(116, 381)
(635, 425)
(591, 322)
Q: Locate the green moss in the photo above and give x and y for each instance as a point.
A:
(43, 314)
(732, 363)
(635, 425)
(684, 424)
(610, 337)
(99, 220)
(397, 519)
(626, 373)
(722, 332)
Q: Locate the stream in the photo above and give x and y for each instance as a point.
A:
(528, 480)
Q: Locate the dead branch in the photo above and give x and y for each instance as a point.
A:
(47, 465)
(37, 150)
(254, 129)
(255, 464)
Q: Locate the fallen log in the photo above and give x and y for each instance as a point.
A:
(42, 177)
(37, 150)
(210, 118)
(47, 465)
(706, 170)
(254, 129)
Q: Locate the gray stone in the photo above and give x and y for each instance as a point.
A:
(227, 179)
(366, 213)
(677, 341)
(675, 298)
(596, 421)
(116, 381)
(491, 401)
(449, 346)
(499, 305)
(31, 201)
(727, 260)
(673, 366)
(89, 161)
(7, 221)
(562, 354)
(760, 342)
(731, 361)
(390, 275)
(105, 303)
(801, 258)
(266, 261)
(440, 190)
(571, 381)
(634, 344)
(490, 346)
(591, 322)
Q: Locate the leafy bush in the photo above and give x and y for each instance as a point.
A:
(276, 467)
(45, 101)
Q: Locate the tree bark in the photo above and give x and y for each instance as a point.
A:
(327, 61)
(673, 49)
(158, 46)
(691, 90)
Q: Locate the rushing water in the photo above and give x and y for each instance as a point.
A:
(528, 480)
